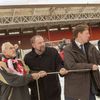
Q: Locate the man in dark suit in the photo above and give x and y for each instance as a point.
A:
(80, 55)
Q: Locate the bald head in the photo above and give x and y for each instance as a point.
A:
(34, 38)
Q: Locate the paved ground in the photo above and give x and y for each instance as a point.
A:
(62, 86)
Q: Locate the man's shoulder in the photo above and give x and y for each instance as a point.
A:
(29, 54)
(51, 49)
(68, 46)
(90, 45)
(3, 64)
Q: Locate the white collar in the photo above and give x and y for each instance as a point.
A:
(78, 43)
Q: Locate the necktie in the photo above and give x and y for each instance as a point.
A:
(82, 48)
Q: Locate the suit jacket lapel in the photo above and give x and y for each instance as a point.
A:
(76, 49)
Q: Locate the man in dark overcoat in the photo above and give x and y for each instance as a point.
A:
(80, 54)
(48, 60)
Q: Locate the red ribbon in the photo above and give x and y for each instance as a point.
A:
(20, 67)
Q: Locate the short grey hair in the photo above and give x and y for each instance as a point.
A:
(5, 46)
(34, 38)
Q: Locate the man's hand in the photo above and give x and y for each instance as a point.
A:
(35, 76)
(95, 67)
(42, 73)
(63, 71)
(99, 67)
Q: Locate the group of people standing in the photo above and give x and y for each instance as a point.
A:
(40, 68)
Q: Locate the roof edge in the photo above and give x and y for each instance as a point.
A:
(48, 5)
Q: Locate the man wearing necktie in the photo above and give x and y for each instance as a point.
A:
(82, 48)
(80, 54)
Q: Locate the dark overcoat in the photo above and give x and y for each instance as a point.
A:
(77, 85)
(49, 61)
